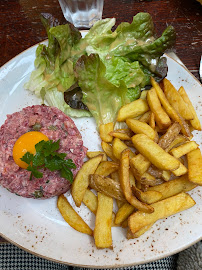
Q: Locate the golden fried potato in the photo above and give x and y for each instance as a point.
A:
(145, 117)
(170, 135)
(105, 168)
(131, 235)
(144, 94)
(104, 130)
(140, 163)
(107, 148)
(132, 110)
(176, 101)
(107, 186)
(154, 153)
(162, 209)
(194, 160)
(166, 175)
(91, 154)
(149, 196)
(90, 200)
(173, 187)
(71, 216)
(140, 128)
(124, 212)
(102, 232)
(122, 134)
(170, 110)
(152, 122)
(180, 171)
(81, 180)
(115, 176)
(149, 180)
(154, 172)
(161, 117)
(183, 149)
(195, 121)
(125, 183)
(118, 146)
(180, 139)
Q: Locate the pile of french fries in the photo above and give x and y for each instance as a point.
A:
(146, 168)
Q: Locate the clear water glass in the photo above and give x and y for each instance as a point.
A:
(82, 13)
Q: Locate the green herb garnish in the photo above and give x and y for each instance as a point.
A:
(47, 157)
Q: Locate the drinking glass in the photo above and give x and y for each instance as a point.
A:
(82, 13)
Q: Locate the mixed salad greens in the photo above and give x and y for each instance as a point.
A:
(97, 74)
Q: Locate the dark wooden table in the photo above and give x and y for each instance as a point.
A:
(20, 26)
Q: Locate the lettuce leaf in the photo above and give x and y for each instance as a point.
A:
(54, 71)
(135, 42)
(111, 67)
(102, 98)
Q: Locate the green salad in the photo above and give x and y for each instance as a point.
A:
(97, 74)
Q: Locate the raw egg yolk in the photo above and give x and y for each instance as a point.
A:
(26, 143)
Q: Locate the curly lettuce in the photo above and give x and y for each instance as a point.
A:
(110, 66)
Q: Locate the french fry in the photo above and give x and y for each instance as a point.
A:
(107, 148)
(136, 180)
(125, 183)
(180, 139)
(71, 216)
(132, 110)
(149, 180)
(154, 153)
(154, 172)
(124, 212)
(124, 224)
(118, 146)
(131, 235)
(105, 168)
(173, 187)
(104, 130)
(107, 186)
(144, 94)
(90, 200)
(149, 196)
(194, 159)
(161, 117)
(103, 221)
(81, 180)
(195, 121)
(183, 149)
(131, 178)
(169, 109)
(91, 154)
(119, 203)
(162, 209)
(175, 99)
(166, 175)
(122, 134)
(145, 117)
(171, 133)
(115, 176)
(152, 122)
(180, 171)
(140, 128)
(140, 163)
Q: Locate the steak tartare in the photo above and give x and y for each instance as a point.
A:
(55, 125)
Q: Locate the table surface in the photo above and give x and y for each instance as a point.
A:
(20, 26)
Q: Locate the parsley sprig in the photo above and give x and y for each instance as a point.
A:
(47, 157)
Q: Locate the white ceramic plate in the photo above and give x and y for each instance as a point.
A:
(38, 227)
